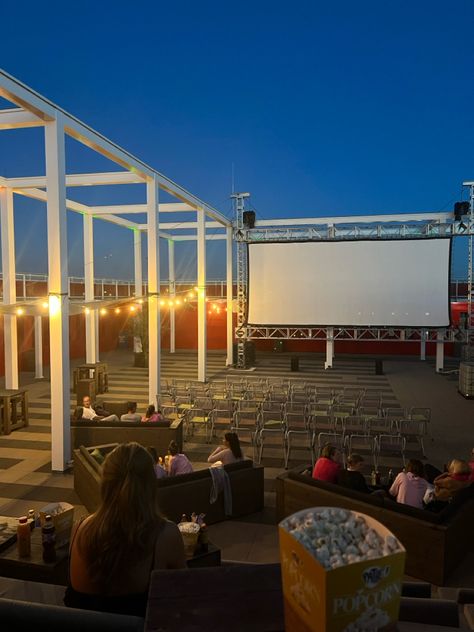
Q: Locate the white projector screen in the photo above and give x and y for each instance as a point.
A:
(401, 283)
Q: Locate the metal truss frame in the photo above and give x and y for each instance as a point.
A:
(367, 334)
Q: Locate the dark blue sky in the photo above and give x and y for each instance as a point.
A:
(324, 108)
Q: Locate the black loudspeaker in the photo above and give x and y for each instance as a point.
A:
(249, 219)
(460, 209)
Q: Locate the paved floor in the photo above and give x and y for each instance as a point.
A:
(26, 480)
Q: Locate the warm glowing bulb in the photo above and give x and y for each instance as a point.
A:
(141, 301)
(214, 307)
(185, 300)
(54, 305)
(162, 302)
(132, 308)
(191, 294)
(207, 300)
(170, 303)
(103, 311)
(218, 310)
(20, 311)
(196, 289)
(45, 305)
(210, 313)
(117, 310)
(88, 311)
(178, 302)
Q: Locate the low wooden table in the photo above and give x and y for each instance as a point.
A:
(11, 419)
(33, 568)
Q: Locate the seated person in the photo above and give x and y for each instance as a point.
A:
(87, 413)
(409, 487)
(132, 414)
(448, 484)
(159, 469)
(152, 415)
(177, 463)
(328, 465)
(114, 551)
(228, 452)
(352, 477)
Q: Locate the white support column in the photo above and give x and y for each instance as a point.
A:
(201, 281)
(439, 350)
(172, 293)
(154, 324)
(58, 298)
(137, 258)
(230, 337)
(90, 317)
(423, 346)
(329, 348)
(39, 348)
(9, 288)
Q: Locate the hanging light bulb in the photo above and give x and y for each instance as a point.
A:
(103, 311)
(54, 305)
(132, 308)
(162, 302)
(45, 304)
(87, 310)
(20, 311)
(117, 310)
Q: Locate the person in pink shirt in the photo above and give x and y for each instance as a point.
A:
(177, 463)
(409, 487)
(328, 465)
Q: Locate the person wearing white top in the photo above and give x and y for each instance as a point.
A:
(89, 413)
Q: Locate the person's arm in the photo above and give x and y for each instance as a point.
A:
(169, 552)
(216, 455)
(393, 491)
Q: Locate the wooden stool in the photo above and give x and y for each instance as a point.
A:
(11, 419)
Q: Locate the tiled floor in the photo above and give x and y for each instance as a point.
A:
(26, 480)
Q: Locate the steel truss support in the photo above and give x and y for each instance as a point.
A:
(240, 233)
(372, 334)
(470, 273)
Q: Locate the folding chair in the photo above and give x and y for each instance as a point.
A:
(199, 417)
(324, 438)
(389, 445)
(296, 426)
(413, 431)
(271, 424)
(362, 444)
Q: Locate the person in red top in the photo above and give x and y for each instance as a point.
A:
(328, 465)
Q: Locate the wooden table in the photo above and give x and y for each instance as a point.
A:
(10, 418)
(33, 568)
(96, 371)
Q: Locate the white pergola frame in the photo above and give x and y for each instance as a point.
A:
(33, 110)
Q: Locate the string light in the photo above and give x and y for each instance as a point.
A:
(141, 301)
(54, 304)
(170, 303)
(20, 311)
(132, 308)
(103, 311)
(88, 311)
(45, 304)
(117, 310)
(178, 302)
(162, 302)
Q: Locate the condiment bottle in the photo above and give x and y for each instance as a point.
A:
(373, 478)
(32, 517)
(23, 537)
(48, 536)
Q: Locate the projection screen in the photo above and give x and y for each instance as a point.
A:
(401, 283)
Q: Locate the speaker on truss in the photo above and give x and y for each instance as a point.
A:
(249, 219)
(460, 209)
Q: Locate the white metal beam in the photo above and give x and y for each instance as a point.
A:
(172, 293)
(106, 178)
(9, 288)
(16, 118)
(58, 291)
(38, 347)
(118, 209)
(90, 316)
(201, 281)
(154, 318)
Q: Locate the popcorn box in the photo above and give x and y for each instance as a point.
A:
(362, 596)
(62, 515)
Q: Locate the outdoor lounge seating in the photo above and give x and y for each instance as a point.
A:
(435, 542)
(182, 494)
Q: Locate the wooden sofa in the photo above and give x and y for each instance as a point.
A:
(157, 434)
(435, 543)
(180, 494)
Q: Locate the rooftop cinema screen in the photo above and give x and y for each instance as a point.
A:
(399, 283)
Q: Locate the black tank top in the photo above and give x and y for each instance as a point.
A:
(132, 603)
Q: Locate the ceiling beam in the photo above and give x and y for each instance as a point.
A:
(78, 180)
(118, 209)
(17, 118)
(77, 207)
(182, 225)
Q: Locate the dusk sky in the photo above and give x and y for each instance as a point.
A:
(323, 108)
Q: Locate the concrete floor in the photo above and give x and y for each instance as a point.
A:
(25, 472)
